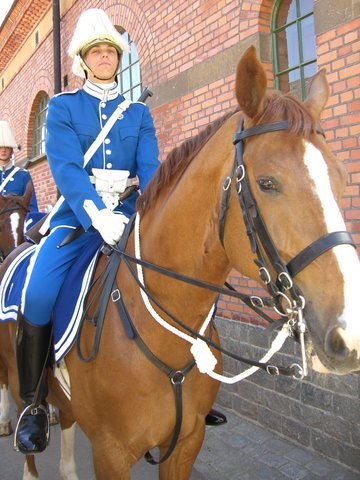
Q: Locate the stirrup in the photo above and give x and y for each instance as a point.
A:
(33, 411)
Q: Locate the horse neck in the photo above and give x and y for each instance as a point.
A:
(181, 231)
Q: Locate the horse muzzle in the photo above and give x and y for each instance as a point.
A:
(340, 355)
(343, 348)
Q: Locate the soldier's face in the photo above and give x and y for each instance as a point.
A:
(102, 60)
(5, 154)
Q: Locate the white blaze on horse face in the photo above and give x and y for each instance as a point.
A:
(345, 254)
(14, 223)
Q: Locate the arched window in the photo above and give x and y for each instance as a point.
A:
(129, 78)
(38, 143)
(294, 45)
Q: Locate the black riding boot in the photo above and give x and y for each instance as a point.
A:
(215, 418)
(32, 346)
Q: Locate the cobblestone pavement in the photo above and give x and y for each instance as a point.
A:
(240, 450)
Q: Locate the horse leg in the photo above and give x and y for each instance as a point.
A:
(30, 471)
(5, 422)
(52, 415)
(67, 460)
(180, 463)
(111, 459)
(67, 467)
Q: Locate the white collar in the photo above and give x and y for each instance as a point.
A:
(7, 166)
(102, 91)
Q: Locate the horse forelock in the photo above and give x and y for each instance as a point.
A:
(286, 107)
(177, 162)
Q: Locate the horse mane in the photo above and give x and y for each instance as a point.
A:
(177, 162)
(278, 106)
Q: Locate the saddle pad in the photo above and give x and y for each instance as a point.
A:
(12, 285)
(69, 305)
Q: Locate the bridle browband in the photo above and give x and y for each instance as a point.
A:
(13, 208)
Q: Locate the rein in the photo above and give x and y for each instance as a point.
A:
(282, 290)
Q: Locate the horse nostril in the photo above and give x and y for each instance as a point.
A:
(336, 343)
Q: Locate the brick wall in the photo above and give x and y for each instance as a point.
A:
(320, 412)
(339, 53)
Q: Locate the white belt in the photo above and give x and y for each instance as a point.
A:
(110, 183)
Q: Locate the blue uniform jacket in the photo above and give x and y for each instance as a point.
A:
(73, 122)
(17, 185)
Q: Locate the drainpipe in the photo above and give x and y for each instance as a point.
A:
(57, 45)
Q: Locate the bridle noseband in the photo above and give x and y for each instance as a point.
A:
(287, 298)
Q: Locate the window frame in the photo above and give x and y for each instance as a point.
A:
(39, 129)
(133, 63)
(275, 30)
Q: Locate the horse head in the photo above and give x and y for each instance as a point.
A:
(298, 186)
(13, 210)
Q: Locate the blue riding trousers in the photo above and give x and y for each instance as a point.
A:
(47, 271)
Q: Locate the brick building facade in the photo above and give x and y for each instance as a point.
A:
(188, 53)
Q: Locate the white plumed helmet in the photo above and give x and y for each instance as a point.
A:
(93, 27)
(7, 138)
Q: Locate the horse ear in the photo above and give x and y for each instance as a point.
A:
(250, 86)
(318, 94)
(28, 193)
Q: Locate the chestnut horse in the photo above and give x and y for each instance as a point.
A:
(190, 221)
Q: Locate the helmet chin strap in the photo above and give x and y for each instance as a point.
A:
(88, 69)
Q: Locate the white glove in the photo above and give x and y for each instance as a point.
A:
(109, 224)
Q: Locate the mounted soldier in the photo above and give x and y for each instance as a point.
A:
(13, 180)
(125, 148)
(97, 144)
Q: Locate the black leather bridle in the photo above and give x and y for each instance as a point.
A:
(257, 232)
(286, 296)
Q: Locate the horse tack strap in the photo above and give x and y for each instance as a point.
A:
(176, 377)
(259, 129)
(105, 287)
(320, 246)
(265, 128)
(176, 380)
(268, 368)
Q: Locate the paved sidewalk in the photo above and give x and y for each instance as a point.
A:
(239, 450)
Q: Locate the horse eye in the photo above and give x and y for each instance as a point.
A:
(267, 185)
